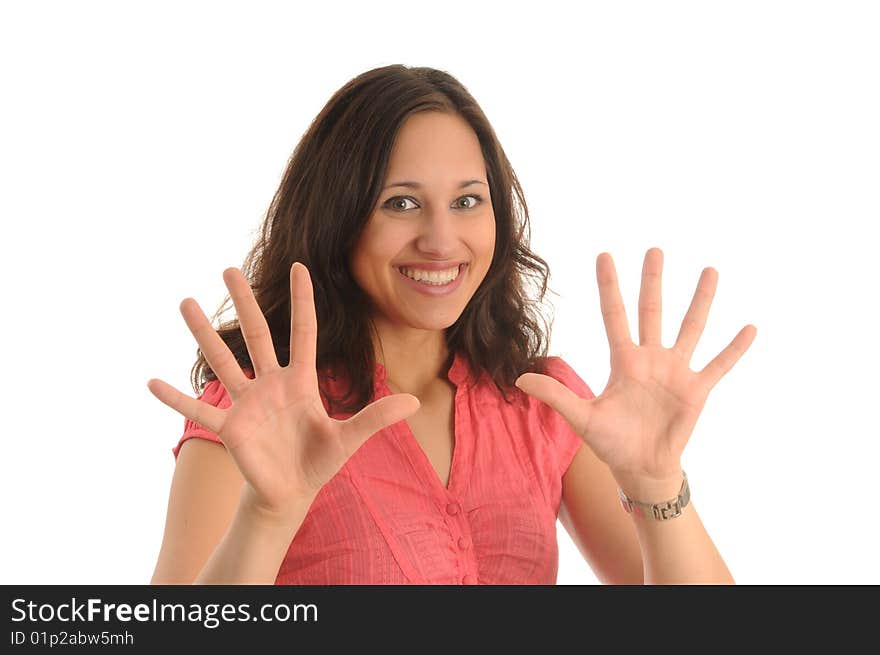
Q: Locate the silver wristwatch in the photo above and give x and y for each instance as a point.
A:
(668, 509)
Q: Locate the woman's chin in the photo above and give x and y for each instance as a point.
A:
(437, 323)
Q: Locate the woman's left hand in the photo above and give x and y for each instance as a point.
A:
(641, 422)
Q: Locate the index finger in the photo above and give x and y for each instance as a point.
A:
(303, 322)
(613, 310)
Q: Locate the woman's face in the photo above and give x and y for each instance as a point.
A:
(427, 248)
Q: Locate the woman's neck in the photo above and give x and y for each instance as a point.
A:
(413, 359)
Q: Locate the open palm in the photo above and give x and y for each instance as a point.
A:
(277, 430)
(644, 417)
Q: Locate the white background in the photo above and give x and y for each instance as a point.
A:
(140, 145)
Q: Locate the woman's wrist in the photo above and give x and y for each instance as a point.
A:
(280, 522)
(647, 489)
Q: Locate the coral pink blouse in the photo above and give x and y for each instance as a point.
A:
(386, 518)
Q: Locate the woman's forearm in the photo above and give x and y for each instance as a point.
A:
(678, 550)
(253, 548)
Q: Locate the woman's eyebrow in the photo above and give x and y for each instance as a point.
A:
(416, 185)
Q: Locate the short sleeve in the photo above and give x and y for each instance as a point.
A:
(564, 439)
(213, 393)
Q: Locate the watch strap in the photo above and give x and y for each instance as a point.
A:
(662, 511)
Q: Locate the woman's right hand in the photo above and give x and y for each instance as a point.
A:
(277, 431)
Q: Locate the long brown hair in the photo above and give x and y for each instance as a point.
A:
(328, 192)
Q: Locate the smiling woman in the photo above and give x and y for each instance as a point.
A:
(359, 421)
(420, 265)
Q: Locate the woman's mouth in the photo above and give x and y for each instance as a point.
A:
(433, 283)
(434, 278)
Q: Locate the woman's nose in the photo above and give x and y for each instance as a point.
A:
(438, 233)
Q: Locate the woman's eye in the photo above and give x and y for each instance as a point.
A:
(477, 201)
(395, 202)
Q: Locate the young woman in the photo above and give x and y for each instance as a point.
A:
(383, 410)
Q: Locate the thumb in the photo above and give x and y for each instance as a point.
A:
(377, 416)
(551, 391)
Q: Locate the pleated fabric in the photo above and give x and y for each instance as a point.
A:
(386, 518)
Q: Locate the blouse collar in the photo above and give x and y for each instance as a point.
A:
(459, 372)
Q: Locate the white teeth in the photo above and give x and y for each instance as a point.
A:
(436, 278)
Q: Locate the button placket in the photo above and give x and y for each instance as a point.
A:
(455, 513)
(460, 539)
(461, 542)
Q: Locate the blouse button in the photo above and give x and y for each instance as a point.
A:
(469, 579)
(462, 543)
(452, 508)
